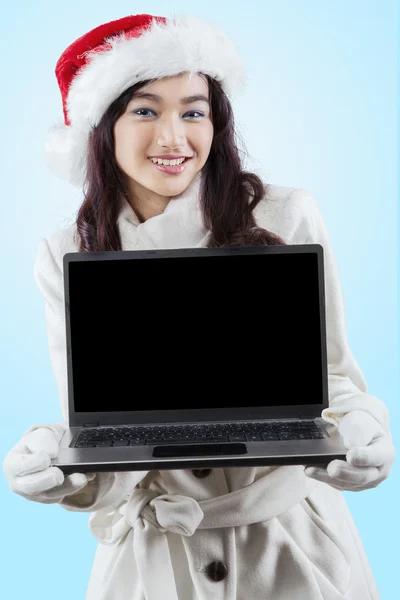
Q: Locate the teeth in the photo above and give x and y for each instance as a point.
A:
(160, 161)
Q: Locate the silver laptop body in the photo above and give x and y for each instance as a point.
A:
(196, 358)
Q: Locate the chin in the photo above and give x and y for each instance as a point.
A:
(172, 187)
(171, 190)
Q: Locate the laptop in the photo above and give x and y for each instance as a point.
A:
(195, 358)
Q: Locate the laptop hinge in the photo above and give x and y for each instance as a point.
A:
(96, 424)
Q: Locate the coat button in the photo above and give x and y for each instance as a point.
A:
(200, 473)
(216, 570)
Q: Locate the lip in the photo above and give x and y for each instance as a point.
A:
(171, 169)
(170, 156)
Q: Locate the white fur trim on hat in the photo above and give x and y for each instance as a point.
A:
(184, 44)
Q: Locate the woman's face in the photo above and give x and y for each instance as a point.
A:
(170, 116)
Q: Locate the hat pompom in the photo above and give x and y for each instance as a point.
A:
(65, 153)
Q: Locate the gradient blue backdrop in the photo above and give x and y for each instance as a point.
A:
(320, 112)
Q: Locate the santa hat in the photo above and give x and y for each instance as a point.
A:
(98, 67)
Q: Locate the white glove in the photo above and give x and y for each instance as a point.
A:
(28, 471)
(369, 459)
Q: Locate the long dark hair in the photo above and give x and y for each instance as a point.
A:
(228, 195)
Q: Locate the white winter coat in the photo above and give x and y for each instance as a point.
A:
(265, 532)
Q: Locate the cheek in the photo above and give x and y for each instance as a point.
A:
(140, 139)
(129, 142)
(119, 143)
(207, 138)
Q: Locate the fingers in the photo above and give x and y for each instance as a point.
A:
(321, 474)
(49, 480)
(29, 471)
(72, 484)
(379, 453)
(32, 454)
(344, 473)
(343, 476)
(365, 467)
(20, 461)
(359, 428)
(37, 483)
(42, 440)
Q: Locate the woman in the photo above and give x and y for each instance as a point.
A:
(136, 93)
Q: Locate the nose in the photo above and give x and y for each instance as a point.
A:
(171, 133)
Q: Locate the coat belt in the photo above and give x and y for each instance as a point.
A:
(151, 514)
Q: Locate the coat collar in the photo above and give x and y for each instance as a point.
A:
(179, 226)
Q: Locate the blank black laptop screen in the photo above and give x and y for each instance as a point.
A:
(195, 332)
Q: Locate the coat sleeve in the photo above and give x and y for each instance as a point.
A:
(347, 385)
(106, 489)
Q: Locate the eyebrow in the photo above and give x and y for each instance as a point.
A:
(156, 98)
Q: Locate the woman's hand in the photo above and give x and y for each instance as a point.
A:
(369, 459)
(28, 467)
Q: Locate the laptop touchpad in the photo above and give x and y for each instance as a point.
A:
(200, 449)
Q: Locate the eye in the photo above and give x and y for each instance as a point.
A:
(139, 110)
(195, 112)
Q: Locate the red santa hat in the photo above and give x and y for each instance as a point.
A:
(99, 66)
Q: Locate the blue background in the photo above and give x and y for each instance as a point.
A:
(319, 112)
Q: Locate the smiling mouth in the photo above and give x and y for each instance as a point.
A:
(171, 169)
(187, 158)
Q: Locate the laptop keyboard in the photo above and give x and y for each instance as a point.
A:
(201, 433)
